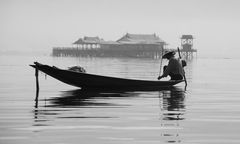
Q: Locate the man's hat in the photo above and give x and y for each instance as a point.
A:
(168, 53)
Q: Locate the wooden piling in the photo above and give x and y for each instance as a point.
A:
(37, 86)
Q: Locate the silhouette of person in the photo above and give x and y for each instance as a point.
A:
(174, 68)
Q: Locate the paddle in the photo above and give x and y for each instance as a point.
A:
(161, 63)
(179, 54)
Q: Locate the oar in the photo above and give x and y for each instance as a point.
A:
(179, 54)
(161, 63)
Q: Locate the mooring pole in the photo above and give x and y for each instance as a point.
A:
(37, 84)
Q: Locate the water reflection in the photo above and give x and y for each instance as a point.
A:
(173, 104)
(171, 100)
(73, 100)
(130, 108)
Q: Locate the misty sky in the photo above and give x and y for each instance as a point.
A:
(39, 25)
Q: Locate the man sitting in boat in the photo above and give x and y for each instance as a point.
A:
(174, 68)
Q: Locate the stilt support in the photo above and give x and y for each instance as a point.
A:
(37, 87)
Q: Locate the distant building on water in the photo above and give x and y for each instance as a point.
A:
(130, 45)
(187, 46)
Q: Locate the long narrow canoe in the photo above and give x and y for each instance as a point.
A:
(91, 81)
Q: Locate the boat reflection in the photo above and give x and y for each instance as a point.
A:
(93, 107)
(86, 98)
(171, 100)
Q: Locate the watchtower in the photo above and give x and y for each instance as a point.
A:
(187, 46)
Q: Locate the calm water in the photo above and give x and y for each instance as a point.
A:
(208, 112)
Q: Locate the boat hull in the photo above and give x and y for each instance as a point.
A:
(87, 81)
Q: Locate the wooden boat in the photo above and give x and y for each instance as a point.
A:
(91, 81)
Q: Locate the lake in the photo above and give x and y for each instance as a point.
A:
(206, 112)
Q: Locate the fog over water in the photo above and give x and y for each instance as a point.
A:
(37, 26)
(206, 112)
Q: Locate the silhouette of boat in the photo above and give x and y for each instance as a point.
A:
(91, 81)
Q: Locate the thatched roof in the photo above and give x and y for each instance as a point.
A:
(187, 37)
(79, 41)
(140, 39)
(126, 39)
(88, 40)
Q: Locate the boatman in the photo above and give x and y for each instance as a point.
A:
(174, 68)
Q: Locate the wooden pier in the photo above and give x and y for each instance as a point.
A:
(130, 45)
(102, 52)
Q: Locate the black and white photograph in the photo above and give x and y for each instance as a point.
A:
(119, 71)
